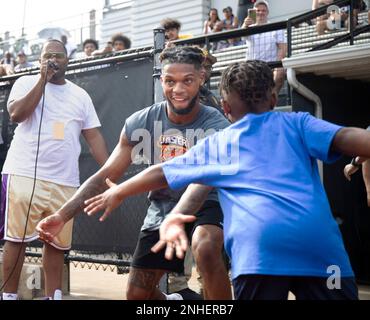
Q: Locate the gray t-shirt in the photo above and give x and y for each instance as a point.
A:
(156, 139)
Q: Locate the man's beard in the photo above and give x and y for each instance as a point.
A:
(185, 111)
(59, 75)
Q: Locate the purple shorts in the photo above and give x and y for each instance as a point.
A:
(3, 193)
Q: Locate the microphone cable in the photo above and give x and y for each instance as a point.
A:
(34, 183)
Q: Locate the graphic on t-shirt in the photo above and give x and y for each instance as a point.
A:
(172, 146)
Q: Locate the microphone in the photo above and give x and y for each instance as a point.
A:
(53, 65)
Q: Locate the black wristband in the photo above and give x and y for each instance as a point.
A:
(354, 163)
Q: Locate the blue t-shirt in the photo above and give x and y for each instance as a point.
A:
(277, 219)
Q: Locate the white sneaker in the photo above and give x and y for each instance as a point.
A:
(58, 295)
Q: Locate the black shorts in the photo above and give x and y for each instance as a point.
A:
(144, 258)
(266, 287)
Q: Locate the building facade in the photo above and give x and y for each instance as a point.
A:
(137, 18)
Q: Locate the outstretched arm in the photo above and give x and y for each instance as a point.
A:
(352, 142)
(113, 169)
(151, 178)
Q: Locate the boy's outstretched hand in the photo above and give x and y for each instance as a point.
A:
(107, 201)
(172, 235)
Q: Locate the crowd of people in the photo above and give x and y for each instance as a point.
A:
(337, 18)
(9, 65)
(278, 232)
(90, 48)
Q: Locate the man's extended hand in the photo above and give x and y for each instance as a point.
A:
(108, 201)
(172, 235)
(49, 227)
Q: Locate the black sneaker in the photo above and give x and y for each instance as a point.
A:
(188, 294)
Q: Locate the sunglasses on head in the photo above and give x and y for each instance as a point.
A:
(58, 55)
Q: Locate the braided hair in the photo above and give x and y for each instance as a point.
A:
(251, 80)
(187, 55)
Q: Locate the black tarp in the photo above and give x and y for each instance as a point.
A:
(344, 102)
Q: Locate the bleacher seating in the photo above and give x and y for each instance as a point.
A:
(304, 38)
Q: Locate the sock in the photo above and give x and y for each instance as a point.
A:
(173, 296)
(57, 295)
(10, 296)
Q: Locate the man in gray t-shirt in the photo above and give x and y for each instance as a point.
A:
(156, 134)
(167, 140)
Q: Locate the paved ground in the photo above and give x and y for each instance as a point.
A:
(98, 284)
(91, 284)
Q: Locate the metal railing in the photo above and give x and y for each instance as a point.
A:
(327, 40)
(78, 64)
(207, 39)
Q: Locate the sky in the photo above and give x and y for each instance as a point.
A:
(69, 14)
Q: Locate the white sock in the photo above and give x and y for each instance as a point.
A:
(173, 296)
(10, 296)
(57, 295)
